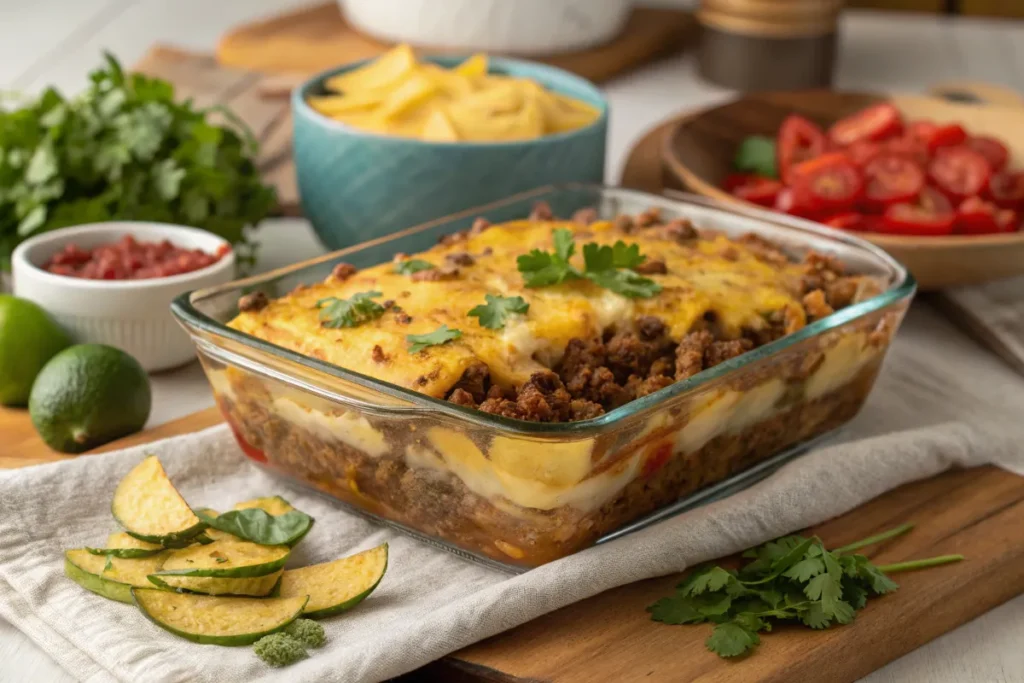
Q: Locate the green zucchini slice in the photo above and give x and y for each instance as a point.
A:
(120, 539)
(214, 534)
(124, 553)
(272, 505)
(258, 586)
(226, 560)
(334, 587)
(149, 508)
(113, 578)
(217, 620)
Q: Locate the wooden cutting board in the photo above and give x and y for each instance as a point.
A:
(978, 513)
(317, 38)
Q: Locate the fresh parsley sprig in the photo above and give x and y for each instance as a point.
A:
(495, 312)
(411, 266)
(351, 312)
(609, 267)
(442, 335)
(789, 579)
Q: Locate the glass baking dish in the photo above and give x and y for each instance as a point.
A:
(518, 494)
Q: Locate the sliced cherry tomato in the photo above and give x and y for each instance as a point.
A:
(851, 220)
(799, 140)
(993, 150)
(909, 147)
(891, 179)
(826, 185)
(759, 190)
(1006, 189)
(930, 214)
(863, 151)
(946, 136)
(734, 180)
(959, 172)
(870, 223)
(784, 200)
(975, 216)
(877, 122)
(922, 130)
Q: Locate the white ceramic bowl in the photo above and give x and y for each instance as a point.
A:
(133, 315)
(522, 27)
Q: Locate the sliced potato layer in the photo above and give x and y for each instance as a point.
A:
(334, 587)
(226, 559)
(113, 580)
(148, 506)
(217, 620)
(258, 586)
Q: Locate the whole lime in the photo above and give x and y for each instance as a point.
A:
(28, 339)
(87, 395)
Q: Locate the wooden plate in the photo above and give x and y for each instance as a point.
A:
(700, 149)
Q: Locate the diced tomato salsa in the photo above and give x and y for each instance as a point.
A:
(129, 259)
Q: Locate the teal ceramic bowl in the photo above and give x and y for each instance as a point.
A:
(356, 185)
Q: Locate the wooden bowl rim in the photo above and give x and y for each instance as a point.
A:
(697, 184)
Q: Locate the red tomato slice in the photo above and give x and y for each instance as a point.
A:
(759, 190)
(959, 172)
(862, 152)
(993, 150)
(975, 216)
(851, 220)
(930, 214)
(826, 185)
(922, 130)
(891, 179)
(799, 140)
(734, 180)
(946, 136)
(1006, 189)
(910, 147)
(877, 122)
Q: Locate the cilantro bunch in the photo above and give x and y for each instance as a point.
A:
(789, 579)
(126, 149)
(610, 267)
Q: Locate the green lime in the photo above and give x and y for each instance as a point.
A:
(88, 395)
(28, 339)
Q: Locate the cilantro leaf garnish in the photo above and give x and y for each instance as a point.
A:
(493, 314)
(733, 638)
(609, 267)
(542, 268)
(792, 579)
(442, 335)
(411, 266)
(351, 312)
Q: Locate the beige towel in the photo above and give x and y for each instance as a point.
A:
(941, 402)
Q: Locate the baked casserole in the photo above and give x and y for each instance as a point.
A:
(547, 320)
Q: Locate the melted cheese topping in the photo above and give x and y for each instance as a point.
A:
(706, 275)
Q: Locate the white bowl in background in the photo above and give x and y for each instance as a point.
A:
(522, 27)
(133, 315)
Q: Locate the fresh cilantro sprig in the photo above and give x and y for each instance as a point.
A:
(789, 579)
(442, 335)
(127, 149)
(351, 312)
(495, 312)
(610, 267)
(411, 266)
(542, 268)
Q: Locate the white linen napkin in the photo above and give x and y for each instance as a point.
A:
(941, 402)
(993, 313)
